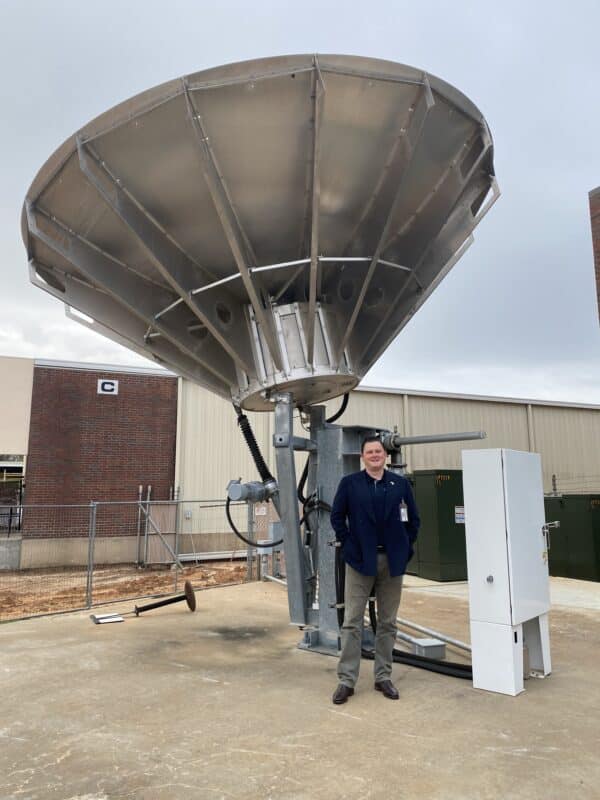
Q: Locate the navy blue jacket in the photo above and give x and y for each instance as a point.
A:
(353, 520)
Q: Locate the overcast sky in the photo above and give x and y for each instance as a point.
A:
(517, 316)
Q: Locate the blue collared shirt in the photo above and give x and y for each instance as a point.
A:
(378, 491)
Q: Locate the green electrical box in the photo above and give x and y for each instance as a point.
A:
(575, 546)
(440, 553)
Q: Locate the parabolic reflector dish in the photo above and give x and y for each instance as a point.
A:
(262, 226)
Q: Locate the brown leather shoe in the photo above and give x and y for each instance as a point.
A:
(342, 693)
(388, 689)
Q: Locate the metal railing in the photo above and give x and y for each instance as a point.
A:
(10, 519)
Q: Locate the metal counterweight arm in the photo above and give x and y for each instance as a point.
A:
(393, 441)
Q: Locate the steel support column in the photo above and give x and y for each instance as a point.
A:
(337, 454)
(298, 581)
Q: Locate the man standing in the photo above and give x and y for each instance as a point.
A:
(375, 519)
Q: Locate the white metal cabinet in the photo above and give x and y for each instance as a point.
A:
(507, 566)
(525, 519)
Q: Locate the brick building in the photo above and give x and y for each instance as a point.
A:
(83, 433)
(97, 434)
(595, 220)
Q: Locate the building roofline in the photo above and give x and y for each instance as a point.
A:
(90, 367)
(595, 192)
(522, 401)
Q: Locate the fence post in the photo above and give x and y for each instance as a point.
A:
(148, 492)
(139, 525)
(91, 543)
(177, 514)
(250, 549)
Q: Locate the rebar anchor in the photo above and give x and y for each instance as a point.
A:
(188, 596)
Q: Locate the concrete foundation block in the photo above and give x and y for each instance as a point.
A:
(10, 552)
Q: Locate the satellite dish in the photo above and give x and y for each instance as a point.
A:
(264, 226)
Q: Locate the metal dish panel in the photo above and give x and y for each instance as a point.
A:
(361, 121)
(77, 206)
(261, 136)
(156, 159)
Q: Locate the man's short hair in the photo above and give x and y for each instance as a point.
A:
(368, 439)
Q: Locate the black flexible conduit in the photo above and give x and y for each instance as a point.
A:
(302, 483)
(311, 503)
(304, 476)
(452, 668)
(262, 468)
(241, 535)
(341, 409)
(263, 471)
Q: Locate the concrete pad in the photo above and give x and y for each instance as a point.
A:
(222, 704)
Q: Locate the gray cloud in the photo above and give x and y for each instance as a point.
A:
(517, 315)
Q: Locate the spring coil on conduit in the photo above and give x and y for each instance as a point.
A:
(262, 468)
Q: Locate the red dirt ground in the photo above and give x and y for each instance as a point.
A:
(42, 591)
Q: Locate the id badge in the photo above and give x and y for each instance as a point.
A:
(403, 512)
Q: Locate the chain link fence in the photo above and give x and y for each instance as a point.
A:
(66, 557)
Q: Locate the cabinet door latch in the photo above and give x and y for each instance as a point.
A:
(546, 527)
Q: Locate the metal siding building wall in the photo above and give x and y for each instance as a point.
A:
(504, 424)
(569, 441)
(16, 380)
(370, 408)
(212, 450)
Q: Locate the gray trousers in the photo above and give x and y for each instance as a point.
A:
(357, 592)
